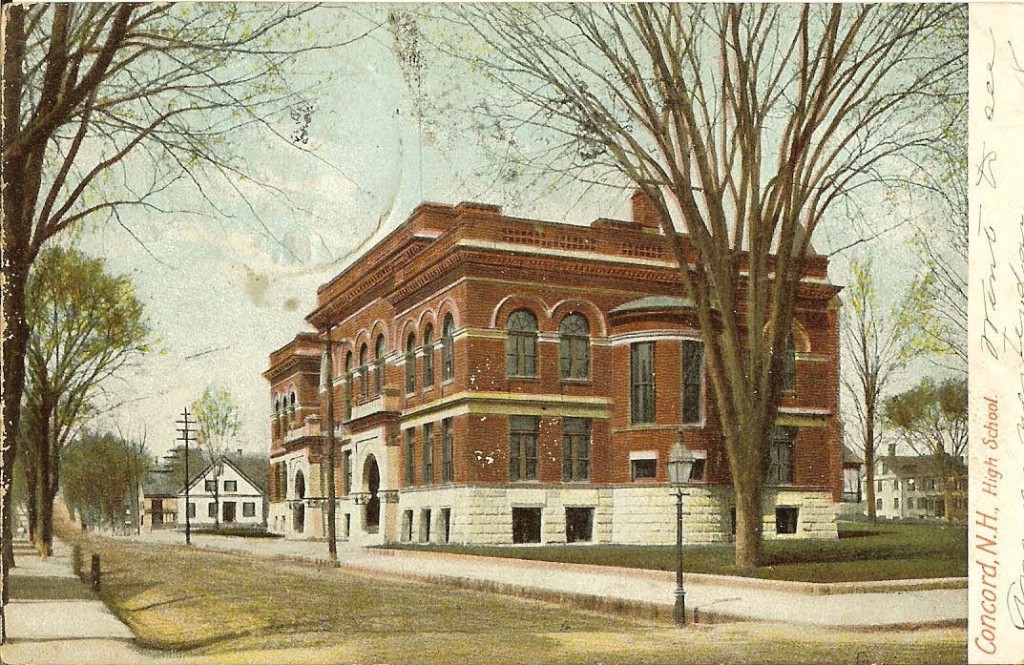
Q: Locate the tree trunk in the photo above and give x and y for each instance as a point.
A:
(749, 522)
(869, 462)
(45, 536)
(32, 485)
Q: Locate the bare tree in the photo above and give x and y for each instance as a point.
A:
(877, 344)
(217, 424)
(744, 124)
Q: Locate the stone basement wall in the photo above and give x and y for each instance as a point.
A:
(622, 515)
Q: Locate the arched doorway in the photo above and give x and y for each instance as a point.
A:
(299, 511)
(371, 484)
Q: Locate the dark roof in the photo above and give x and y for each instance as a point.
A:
(850, 457)
(654, 302)
(253, 468)
(911, 465)
(160, 482)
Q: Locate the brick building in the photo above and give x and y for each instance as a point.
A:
(501, 380)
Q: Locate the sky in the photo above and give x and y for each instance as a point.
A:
(223, 293)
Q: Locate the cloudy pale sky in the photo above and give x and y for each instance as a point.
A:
(222, 293)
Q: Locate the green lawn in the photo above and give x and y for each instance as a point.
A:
(864, 551)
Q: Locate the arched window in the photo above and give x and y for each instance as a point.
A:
(574, 347)
(410, 363)
(379, 353)
(364, 373)
(277, 417)
(448, 349)
(789, 366)
(348, 385)
(428, 357)
(291, 410)
(521, 344)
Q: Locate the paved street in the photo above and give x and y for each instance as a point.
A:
(851, 606)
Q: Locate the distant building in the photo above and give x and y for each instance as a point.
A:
(159, 499)
(222, 493)
(504, 380)
(920, 486)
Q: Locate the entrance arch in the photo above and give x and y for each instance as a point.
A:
(371, 485)
(299, 510)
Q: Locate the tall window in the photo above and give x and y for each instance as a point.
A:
(575, 449)
(277, 417)
(348, 385)
(346, 473)
(410, 457)
(448, 349)
(410, 364)
(779, 470)
(428, 453)
(524, 431)
(364, 372)
(521, 344)
(641, 374)
(789, 366)
(291, 410)
(574, 347)
(447, 439)
(379, 353)
(693, 359)
(428, 357)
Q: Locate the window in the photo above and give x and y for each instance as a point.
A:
(693, 360)
(346, 473)
(407, 526)
(779, 470)
(276, 428)
(446, 525)
(786, 518)
(878, 504)
(521, 344)
(348, 386)
(643, 469)
(191, 509)
(579, 525)
(291, 411)
(447, 439)
(410, 457)
(575, 449)
(522, 447)
(210, 485)
(697, 470)
(380, 351)
(230, 485)
(425, 525)
(364, 374)
(641, 356)
(574, 347)
(910, 503)
(211, 509)
(896, 485)
(448, 349)
(879, 485)
(789, 366)
(428, 453)
(896, 503)
(428, 357)
(249, 509)
(410, 364)
(526, 525)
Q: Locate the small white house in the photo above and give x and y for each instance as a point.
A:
(222, 495)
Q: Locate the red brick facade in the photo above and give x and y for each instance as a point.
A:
(472, 267)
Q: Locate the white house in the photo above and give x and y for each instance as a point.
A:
(223, 495)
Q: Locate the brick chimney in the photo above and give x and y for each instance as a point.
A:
(644, 212)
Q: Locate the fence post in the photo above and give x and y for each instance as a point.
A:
(76, 560)
(96, 572)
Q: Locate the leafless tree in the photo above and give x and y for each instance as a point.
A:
(744, 124)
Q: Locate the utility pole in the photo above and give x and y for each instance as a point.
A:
(332, 542)
(184, 432)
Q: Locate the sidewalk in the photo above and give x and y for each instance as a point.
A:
(54, 618)
(910, 604)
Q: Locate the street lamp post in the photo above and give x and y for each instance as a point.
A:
(680, 462)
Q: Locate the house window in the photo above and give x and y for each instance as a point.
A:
(211, 509)
(346, 473)
(380, 351)
(428, 357)
(643, 469)
(896, 486)
(364, 373)
(896, 503)
(878, 504)
(428, 453)
(526, 525)
(410, 457)
(447, 440)
(693, 360)
(642, 382)
(786, 518)
(789, 366)
(579, 525)
(191, 509)
(521, 344)
(410, 364)
(779, 470)
(879, 485)
(910, 503)
(210, 485)
(522, 447)
(574, 347)
(407, 526)
(575, 449)
(448, 349)
(249, 509)
(230, 485)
